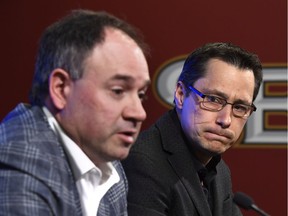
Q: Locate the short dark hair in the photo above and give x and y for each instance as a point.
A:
(68, 42)
(195, 64)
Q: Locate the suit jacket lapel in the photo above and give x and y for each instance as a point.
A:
(181, 161)
(49, 145)
(219, 192)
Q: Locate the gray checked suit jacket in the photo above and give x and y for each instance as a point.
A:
(35, 175)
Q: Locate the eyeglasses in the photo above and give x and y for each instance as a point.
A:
(214, 103)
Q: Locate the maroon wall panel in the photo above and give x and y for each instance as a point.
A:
(172, 29)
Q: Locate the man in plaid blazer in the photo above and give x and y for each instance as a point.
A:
(59, 155)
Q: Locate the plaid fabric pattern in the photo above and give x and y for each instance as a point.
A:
(115, 200)
(35, 176)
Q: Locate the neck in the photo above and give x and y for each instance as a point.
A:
(202, 157)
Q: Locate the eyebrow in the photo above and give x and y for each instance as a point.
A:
(214, 92)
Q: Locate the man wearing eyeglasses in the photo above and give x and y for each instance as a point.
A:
(175, 167)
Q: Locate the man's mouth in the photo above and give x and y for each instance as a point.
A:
(127, 136)
(219, 135)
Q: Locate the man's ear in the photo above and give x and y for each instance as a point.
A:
(59, 86)
(179, 95)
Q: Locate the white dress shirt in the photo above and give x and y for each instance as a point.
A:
(92, 182)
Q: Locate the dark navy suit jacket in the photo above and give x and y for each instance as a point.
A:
(163, 180)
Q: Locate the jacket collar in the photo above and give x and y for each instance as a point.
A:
(180, 159)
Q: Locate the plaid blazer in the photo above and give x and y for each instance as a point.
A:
(35, 175)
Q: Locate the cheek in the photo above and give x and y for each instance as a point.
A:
(203, 117)
(191, 117)
(189, 108)
(89, 112)
(190, 120)
(237, 126)
(195, 114)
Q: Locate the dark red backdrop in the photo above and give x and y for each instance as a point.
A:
(171, 28)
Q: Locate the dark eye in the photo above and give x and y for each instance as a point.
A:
(214, 99)
(241, 108)
(118, 91)
(142, 95)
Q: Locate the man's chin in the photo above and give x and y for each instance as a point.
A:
(122, 154)
(212, 148)
(218, 148)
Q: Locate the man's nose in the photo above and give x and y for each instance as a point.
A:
(224, 116)
(135, 110)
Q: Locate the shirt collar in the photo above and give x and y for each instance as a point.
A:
(207, 173)
(79, 161)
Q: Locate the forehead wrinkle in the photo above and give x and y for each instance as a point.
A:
(128, 79)
(121, 77)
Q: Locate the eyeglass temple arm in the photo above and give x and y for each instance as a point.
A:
(197, 92)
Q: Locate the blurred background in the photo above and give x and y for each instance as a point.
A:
(173, 29)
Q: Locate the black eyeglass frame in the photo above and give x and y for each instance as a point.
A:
(254, 108)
